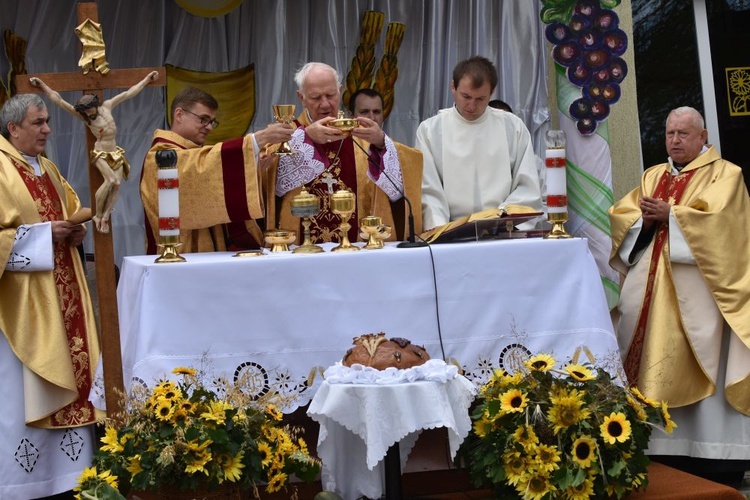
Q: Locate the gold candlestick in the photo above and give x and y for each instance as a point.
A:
(306, 205)
(342, 204)
(284, 113)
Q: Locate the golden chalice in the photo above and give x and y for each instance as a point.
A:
(374, 232)
(284, 113)
(280, 239)
(342, 204)
(306, 205)
(343, 123)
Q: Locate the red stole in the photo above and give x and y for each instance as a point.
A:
(670, 188)
(80, 411)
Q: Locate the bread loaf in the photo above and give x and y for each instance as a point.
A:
(377, 351)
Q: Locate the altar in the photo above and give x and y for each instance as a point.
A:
(281, 318)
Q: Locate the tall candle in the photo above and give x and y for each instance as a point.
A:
(169, 196)
(555, 161)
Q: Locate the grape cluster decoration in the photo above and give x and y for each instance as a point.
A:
(588, 42)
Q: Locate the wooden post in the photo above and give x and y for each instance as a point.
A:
(94, 82)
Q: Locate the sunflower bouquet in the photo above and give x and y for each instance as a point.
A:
(572, 433)
(187, 436)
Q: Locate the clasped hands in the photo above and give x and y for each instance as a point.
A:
(367, 130)
(654, 210)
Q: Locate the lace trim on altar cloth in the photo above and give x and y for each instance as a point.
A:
(435, 370)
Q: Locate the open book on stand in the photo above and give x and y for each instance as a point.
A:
(493, 223)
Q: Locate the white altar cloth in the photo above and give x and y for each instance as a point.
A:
(359, 422)
(283, 318)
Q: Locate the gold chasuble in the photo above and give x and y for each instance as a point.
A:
(46, 316)
(671, 337)
(339, 157)
(220, 194)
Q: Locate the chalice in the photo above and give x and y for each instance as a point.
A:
(374, 231)
(342, 204)
(284, 113)
(280, 239)
(306, 205)
(343, 123)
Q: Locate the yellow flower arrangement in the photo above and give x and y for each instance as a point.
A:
(572, 433)
(185, 435)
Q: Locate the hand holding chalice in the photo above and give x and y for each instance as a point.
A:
(284, 113)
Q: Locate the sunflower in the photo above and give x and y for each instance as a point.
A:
(482, 427)
(231, 466)
(583, 491)
(516, 467)
(164, 410)
(642, 398)
(183, 370)
(266, 454)
(669, 424)
(639, 412)
(512, 401)
(584, 451)
(108, 478)
(199, 462)
(546, 458)
(111, 441)
(134, 465)
(540, 363)
(535, 487)
(579, 372)
(274, 413)
(566, 410)
(525, 436)
(616, 428)
(216, 412)
(276, 482)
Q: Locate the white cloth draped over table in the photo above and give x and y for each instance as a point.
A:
(360, 421)
(283, 317)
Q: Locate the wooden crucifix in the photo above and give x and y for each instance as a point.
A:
(93, 82)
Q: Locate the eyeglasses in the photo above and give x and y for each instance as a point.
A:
(205, 120)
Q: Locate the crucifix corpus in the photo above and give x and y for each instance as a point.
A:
(106, 167)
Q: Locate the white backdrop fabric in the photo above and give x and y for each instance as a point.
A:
(277, 36)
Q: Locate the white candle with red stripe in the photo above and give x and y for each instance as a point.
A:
(557, 190)
(169, 195)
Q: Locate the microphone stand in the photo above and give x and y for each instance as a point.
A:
(412, 239)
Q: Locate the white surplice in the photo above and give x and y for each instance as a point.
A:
(471, 166)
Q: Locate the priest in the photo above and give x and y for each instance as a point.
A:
(221, 186)
(366, 162)
(681, 242)
(49, 345)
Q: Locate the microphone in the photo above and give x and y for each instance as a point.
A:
(411, 242)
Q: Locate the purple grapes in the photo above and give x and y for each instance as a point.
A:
(590, 46)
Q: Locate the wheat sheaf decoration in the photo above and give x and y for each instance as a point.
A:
(362, 72)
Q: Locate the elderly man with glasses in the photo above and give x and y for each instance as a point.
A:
(220, 185)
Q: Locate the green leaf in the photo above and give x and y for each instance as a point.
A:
(557, 10)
